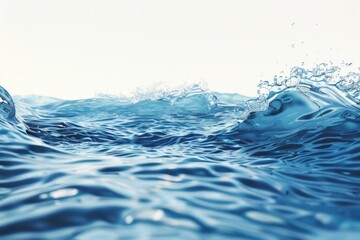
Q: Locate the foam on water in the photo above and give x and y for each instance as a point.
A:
(187, 164)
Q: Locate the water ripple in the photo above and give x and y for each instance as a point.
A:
(186, 165)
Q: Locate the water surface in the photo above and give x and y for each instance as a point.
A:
(188, 164)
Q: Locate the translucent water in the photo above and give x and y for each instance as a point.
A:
(188, 164)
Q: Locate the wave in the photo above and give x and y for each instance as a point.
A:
(7, 106)
(186, 164)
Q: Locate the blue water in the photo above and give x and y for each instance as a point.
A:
(186, 164)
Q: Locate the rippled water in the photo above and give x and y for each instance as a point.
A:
(187, 164)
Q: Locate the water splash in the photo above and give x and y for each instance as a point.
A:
(322, 84)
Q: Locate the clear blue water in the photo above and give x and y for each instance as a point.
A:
(186, 164)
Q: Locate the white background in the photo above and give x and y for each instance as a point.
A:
(78, 48)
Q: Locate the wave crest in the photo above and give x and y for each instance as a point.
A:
(7, 106)
(318, 87)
